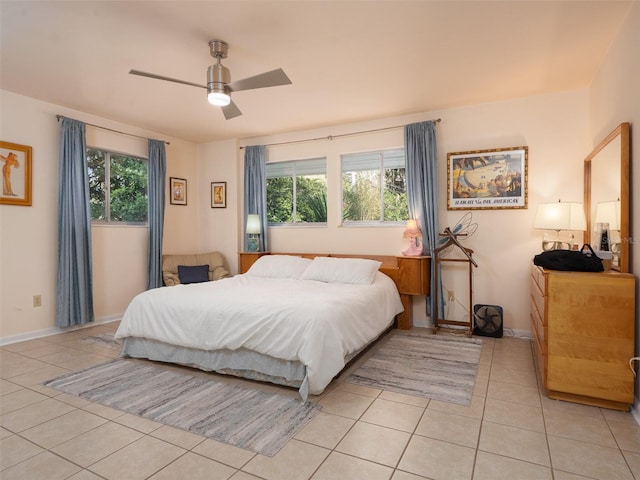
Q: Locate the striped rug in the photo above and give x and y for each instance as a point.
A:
(251, 419)
(438, 367)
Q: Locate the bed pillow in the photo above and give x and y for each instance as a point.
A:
(279, 266)
(342, 270)
(193, 273)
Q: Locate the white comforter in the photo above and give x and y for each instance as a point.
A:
(313, 322)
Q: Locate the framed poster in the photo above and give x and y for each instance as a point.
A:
(218, 194)
(487, 179)
(178, 191)
(16, 174)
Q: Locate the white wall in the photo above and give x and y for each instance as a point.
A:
(614, 97)
(28, 235)
(218, 162)
(555, 129)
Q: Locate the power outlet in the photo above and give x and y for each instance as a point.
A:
(37, 300)
(452, 296)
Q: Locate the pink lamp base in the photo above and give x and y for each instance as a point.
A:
(413, 250)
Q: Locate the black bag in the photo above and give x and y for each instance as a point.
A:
(570, 260)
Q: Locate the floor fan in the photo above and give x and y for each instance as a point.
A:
(487, 320)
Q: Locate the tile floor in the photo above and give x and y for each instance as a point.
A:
(510, 430)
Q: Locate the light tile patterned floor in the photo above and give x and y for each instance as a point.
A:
(511, 430)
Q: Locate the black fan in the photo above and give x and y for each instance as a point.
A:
(488, 320)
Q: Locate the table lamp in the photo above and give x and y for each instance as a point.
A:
(606, 233)
(559, 216)
(414, 234)
(253, 230)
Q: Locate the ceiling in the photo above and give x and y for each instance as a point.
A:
(348, 60)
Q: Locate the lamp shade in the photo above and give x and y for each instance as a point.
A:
(412, 230)
(560, 216)
(253, 224)
(609, 212)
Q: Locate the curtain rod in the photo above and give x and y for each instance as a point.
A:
(58, 117)
(331, 137)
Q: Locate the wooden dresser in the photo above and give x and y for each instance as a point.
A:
(412, 275)
(583, 326)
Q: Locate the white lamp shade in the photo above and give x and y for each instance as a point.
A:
(609, 212)
(253, 224)
(560, 216)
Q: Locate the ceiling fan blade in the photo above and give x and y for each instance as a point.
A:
(267, 79)
(168, 79)
(231, 111)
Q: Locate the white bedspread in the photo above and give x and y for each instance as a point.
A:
(313, 322)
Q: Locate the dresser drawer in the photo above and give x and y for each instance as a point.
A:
(538, 300)
(539, 353)
(538, 327)
(538, 277)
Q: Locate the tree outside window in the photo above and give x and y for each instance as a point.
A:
(374, 187)
(297, 192)
(117, 187)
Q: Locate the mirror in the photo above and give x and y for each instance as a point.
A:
(606, 197)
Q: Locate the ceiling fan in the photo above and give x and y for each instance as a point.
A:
(219, 85)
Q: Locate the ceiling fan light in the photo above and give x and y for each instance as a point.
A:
(219, 99)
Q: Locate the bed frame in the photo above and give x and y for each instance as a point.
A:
(412, 275)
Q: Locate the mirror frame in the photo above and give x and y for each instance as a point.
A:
(623, 132)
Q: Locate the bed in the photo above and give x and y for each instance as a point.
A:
(288, 320)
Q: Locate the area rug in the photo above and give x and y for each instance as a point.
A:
(106, 340)
(251, 419)
(438, 367)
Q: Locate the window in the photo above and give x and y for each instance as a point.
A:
(297, 192)
(117, 187)
(374, 187)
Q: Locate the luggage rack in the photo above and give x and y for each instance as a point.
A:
(452, 240)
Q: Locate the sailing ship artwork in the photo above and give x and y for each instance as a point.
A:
(487, 179)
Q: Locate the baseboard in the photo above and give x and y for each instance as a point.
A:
(508, 332)
(47, 332)
(526, 334)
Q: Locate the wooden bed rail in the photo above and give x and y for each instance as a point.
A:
(412, 275)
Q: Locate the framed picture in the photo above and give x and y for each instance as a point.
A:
(218, 194)
(178, 189)
(487, 179)
(16, 174)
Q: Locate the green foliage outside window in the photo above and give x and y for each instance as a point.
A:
(374, 187)
(361, 196)
(97, 186)
(297, 192)
(123, 198)
(396, 204)
(280, 200)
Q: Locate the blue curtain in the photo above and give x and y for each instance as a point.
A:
(74, 287)
(157, 175)
(255, 190)
(422, 190)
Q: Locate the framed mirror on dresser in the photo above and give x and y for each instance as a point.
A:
(583, 323)
(606, 196)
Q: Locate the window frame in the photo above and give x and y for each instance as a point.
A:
(296, 162)
(371, 223)
(107, 191)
